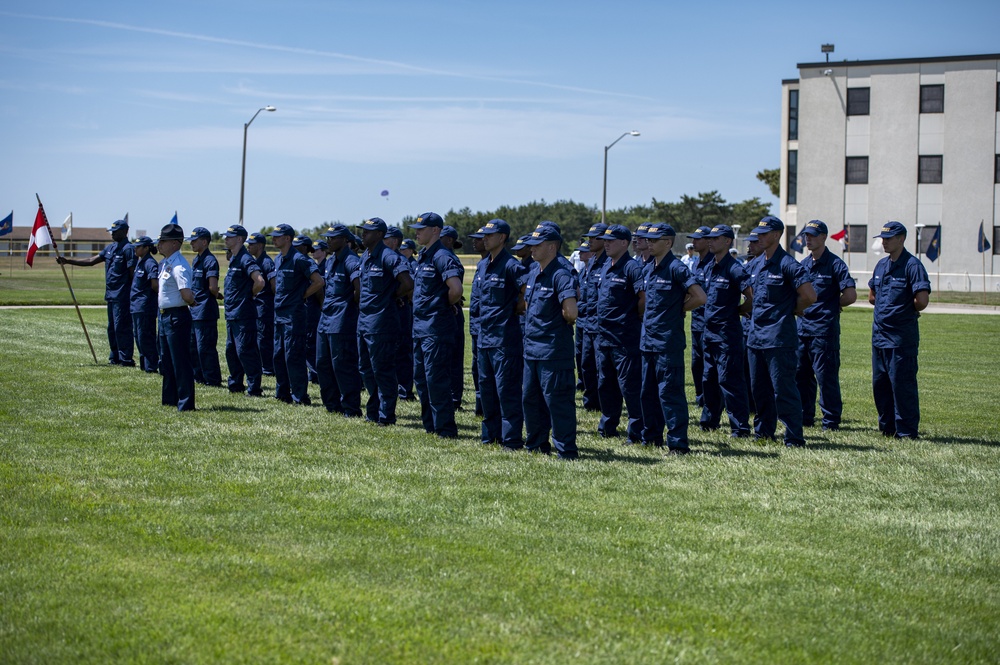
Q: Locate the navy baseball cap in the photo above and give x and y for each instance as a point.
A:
(356, 240)
(552, 225)
(596, 231)
(891, 230)
(769, 224)
(171, 232)
(752, 236)
(584, 246)
(542, 234)
(338, 231)
(720, 231)
(640, 231)
(236, 230)
(428, 219)
(117, 225)
(700, 232)
(393, 232)
(521, 243)
(408, 243)
(481, 233)
(617, 232)
(303, 241)
(658, 230)
(200, 232)
(143, 241)
(374, 224)
(322, 244)
(283, 230)
(451, 232)
(257, 237)
(496, 226)
(815, 228)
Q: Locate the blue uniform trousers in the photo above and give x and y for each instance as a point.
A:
(290, 375)
(698, 365)
(339, 376)
(205, 352)
(433, 364)
(144, 329)
(549, 403)
(404, 353)
(500, 378)
(894, 384)
(120, 333)
(819, 364)
(475, 372)
(243, 356)
(619, 376)
(265, 338)
(457, 366)
(723, 380)
(175, 359)
(588, 369)
(663, 399)
(376, 358)
(772, 373)
(751, 405)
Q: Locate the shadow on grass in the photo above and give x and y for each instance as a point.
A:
(726, 451)
(608, 455)
(961, 441)
(232, 409)
(813, 444)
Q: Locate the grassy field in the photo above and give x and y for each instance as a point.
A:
(253, 531)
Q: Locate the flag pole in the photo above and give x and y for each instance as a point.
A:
(55, 248)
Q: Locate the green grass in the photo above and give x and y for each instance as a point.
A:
(252, 531)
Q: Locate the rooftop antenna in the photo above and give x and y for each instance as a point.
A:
(827, 49)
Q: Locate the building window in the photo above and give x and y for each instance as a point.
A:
(793, 115)
(998, 96)
(793, 178)
(857, 171)
(996, 171)
(790, 236)
(996, 239)
(858, 101)
(932, 98)
(857, 238)
(929, 169)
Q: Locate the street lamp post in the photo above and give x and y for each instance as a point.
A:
(604, 199)
(243, 174)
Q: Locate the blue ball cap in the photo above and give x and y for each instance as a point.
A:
(428, 219)
(235, 230)
(815, 228)
(303, 241)
(584, 246)
(891, 230)
(700, 232)
(596, 231)
(657, 230)
(255, 238)
(496, 226)
(769, 224)
(752, 236)
(143, 241)
(617, 232)
(481, 233)
(449, 232)
(408, 243)
(521, 243)
(337, 231)
(322, 244)
(720, 231)
(393, 232)
(117, 225)
(283, 230)
(542, 233)
(200, 232)
(374, 224)
(551, 225)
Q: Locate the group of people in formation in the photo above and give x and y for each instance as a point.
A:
(385, 313)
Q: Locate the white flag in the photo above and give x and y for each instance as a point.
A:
(67, 227)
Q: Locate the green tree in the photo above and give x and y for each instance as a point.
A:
(771, 178)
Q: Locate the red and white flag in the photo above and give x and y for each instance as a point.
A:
(40, 236)
(841, 236)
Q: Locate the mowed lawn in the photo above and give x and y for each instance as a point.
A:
(252, 531)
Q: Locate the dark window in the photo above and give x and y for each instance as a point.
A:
(932, 98)
(790, 236)
(857, 238)
(996, 171)
(998, 96)
(793, 115)
(858, 101)
(793, 177)
(857, 171)
(996, 239)
(929, 170)
(926, 236)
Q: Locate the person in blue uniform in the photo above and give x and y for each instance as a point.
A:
(701, 260)
(242, 282)
(143, 306)
(899, 289)
(119, 264)
(205, 312)
(264, 301)
(450, 241)
(753, 251)
(384, 280)
(474, 293)
(500, 343)
(590, 280)
(548, 390)
(583, 256)
(723, 383)
(620, 301)
(782, 289)
(437, 293)
(670, 290)
(296, 280)
(337, 334)
(174, 298)
(819, 329)
(404, 351)
(304, 245)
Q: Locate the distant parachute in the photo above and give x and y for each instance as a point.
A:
(385, 193)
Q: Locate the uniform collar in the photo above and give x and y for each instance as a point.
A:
(428, 252)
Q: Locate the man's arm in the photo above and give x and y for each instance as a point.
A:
(92, 261)
(405, 287)
(315, 284)
(569, 310)
(258, 283)
(920, 300)
(695, 298)
(188, 296)
(848, 297)
(154, 284)
(640, 304)
(746, 308)
(213, 288)
(454, 285)
(806, 296)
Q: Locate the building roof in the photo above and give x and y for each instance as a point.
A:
(79, 234)
(898, 61)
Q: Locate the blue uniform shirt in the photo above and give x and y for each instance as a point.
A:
(666, 288)
(474, 293)
(698, 315)
(895, 319)
(433, 315)
(340, 311)
(293, 273)
(725, 282)
(142, 297)
(547, 335)
(588, 291)
(378, 269)
(617, 313)
(205, 307)
(830, 276)
(119, 262)
(502, 277)
(238, 287)
(774, 282)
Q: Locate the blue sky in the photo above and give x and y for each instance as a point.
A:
(108, 107)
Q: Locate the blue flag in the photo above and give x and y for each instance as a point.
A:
(983, 244)
(798, 243)
(7, 224)
(934, 248)
(174, 220)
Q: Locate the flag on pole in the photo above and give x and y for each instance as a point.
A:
(983, 245)
(174, 218)
(798, 243)
(934, 248)
(39, 236)
(67, 227)
(841, 237)
(7, 224)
